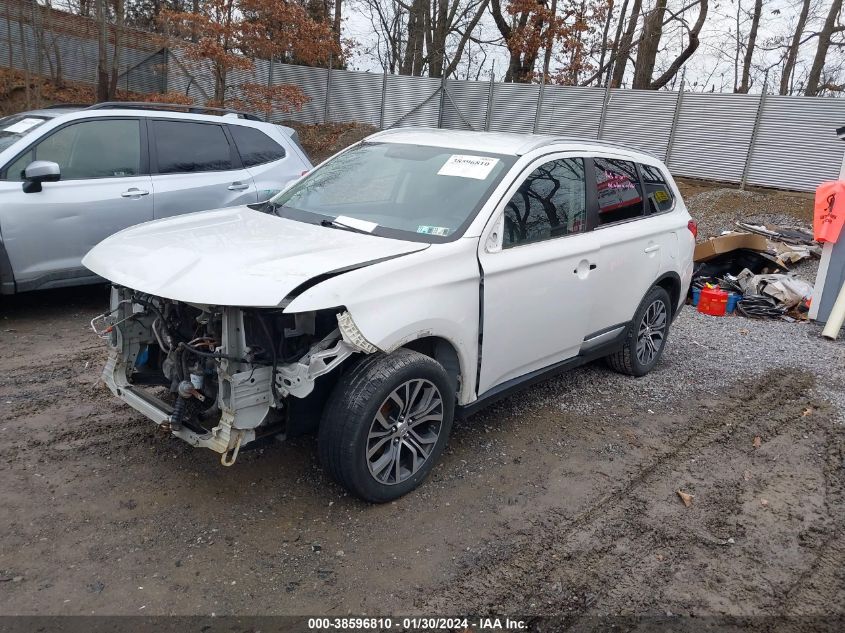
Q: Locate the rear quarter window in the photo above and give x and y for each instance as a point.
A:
(619, 191)
(255, 147)
(657, 190)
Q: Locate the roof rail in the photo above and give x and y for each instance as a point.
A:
(62, 106)
(549, 140)
(169, 107)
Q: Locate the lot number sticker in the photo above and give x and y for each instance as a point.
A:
(23, 125)
(463, 166)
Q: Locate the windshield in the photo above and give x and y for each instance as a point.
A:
(15, 127)
(394, 189)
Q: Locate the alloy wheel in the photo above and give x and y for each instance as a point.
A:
(404, 432)
(652, 332)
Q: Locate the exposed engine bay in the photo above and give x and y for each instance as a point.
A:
(221, 376)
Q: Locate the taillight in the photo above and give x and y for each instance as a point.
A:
(692, 225)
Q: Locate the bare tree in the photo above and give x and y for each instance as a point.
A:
(792, 50)
(649, 44)
(831, 26)
(749, 47)
(623, 50)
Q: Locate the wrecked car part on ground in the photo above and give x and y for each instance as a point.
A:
(219, 377)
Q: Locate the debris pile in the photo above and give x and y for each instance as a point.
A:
(748, 272)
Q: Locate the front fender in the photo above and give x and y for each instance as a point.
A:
(434, 292)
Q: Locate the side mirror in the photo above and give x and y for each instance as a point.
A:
(40, 171)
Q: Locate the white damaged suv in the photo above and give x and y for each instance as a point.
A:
(414, 276)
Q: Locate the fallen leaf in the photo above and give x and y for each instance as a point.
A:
(764, 502)
(807, 412)
(747, 475)
(757, 441)
(686, 498)
(743, 331)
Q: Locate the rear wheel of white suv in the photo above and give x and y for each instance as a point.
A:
(386, 424)
(646, 337)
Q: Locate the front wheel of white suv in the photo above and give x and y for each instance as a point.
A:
(646, 337)
(386, 424)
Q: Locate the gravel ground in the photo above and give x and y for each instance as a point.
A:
(561, 500)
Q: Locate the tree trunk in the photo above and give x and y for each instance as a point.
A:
(815, 76)
(614, 50)
(792, 51)
(550, 42)
(336, 23)
(605, 32)
(102, 52)
(625, 44)
(692, 46)
(749, 50)
(649, 43)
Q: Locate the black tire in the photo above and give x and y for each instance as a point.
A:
(627, 360)
(350, 416)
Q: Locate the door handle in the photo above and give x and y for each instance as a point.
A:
(238, 186)
(134, 193)
(653, 249)
(584, 267)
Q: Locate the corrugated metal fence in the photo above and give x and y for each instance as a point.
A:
(772, 141)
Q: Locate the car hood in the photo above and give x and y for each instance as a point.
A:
(236, 257)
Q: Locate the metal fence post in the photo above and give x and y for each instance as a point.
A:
(489, 114)
(328, 91)
(605, 103)
(442, 100)
(754, 132)
(675, 119)
(166, 68)
(539, 103)
(269, 85)
(383, 99)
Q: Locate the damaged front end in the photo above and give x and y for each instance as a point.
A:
(220, 376)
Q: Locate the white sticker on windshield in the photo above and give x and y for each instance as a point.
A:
(478, 167)
(442, 231)
(355, 223)
(23, 125)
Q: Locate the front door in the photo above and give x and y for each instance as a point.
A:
(104, 188)
(538, 264)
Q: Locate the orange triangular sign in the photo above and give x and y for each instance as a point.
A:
(830, 211)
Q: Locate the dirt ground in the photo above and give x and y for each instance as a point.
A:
(562, 500)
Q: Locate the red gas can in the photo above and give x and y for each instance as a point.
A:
(713, 301)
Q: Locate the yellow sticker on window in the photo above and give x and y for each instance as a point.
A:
(661, 196)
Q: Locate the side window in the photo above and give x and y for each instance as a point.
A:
(183, 147)
(657, 190)
(255, 147)
(550, 203)
(89, 149)
(619, 192)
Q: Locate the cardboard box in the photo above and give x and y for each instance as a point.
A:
(727, 243)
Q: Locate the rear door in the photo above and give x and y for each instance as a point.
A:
(272, 166)
(632, 241)
(105, 187)
(196, 168)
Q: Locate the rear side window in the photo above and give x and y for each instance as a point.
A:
(183, 147)
(657, 190)
(255, 147)
(89, 149)
(550, 203)
(620, 195)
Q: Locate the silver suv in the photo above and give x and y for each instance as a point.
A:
(72, 176)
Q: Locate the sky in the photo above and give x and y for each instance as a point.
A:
(710, 68)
